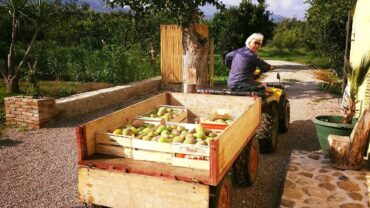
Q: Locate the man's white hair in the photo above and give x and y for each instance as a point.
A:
(254, 36)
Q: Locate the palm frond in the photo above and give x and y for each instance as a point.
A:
(357, 75)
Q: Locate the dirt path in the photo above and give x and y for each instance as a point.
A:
(38, 168)
(306, 102)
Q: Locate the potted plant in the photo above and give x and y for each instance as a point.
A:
(343, 125)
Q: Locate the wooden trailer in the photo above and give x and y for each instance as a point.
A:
(113, 177)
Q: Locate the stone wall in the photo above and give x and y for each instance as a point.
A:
(86, 102)
(23, 111)
(35, 113)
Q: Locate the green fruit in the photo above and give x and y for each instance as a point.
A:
(209, 139)
(175, 132)
(150, 133)
(163, 140)
(127, 132)
(212, 134)
(169, 110)
(201, 142)
(180, 128)
(147, 138)
(219, 120)
(200, 135)
(161, 111)
(189, 140)
(199, 128)
(178, 139)
(167, 116)
(117, 132)
(134, 130)
(184, 133)
(138, 123)
(165, 132)
(229, 121)
(160, 129)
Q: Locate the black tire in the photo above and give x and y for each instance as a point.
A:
(221, 194)
(285, 118)
(245, 168)
(268, 132)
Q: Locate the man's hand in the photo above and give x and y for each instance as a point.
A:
(271, 68)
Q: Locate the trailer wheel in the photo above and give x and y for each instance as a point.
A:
(285, 119)
(268, 132)
(221, 194)
(245, 168)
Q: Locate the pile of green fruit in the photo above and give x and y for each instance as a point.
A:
(219, 120)
(166, 113)
(138, 128)
(179, 134)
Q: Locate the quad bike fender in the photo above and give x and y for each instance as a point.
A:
(274, 94)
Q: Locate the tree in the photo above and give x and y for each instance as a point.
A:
(290, 34)
(326, 23)
(231, 27)
(187, 14)
(39, 13)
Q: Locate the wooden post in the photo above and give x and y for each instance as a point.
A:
(348, 152)
(211, 63)
(346, 50)
(190, 82)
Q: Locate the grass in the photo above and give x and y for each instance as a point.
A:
(302, 56)
(291, 80)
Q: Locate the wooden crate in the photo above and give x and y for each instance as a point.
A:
(222, 152)
(208, 121)
(195, 156)
(180, 117)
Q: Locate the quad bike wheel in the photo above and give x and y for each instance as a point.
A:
(245, 168)
(268, 132)
(285, 118)
(221, 194)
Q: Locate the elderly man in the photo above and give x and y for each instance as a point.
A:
(244, 62)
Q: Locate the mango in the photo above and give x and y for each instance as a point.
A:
(178, 139)
(163, 140)
(160, 129)
(138, 123)
(117, 132)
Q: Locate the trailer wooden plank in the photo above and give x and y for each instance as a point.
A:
(118, 118)
(235, 137)
(114, 150)
(115, 189)
(147, 168)
(203, 104)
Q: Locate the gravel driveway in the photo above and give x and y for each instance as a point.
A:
(38, 168)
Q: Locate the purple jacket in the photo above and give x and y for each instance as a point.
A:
(244, 63)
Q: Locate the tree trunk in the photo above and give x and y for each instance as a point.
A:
(348, 152)
(12, 85)
(195, 52)
(360, 137)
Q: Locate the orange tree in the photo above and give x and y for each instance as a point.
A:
(187, 14)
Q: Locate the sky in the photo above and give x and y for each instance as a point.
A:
(286, 8)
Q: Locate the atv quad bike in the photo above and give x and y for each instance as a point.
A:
(275, 111)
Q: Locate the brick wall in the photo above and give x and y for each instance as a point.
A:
(23, 111)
